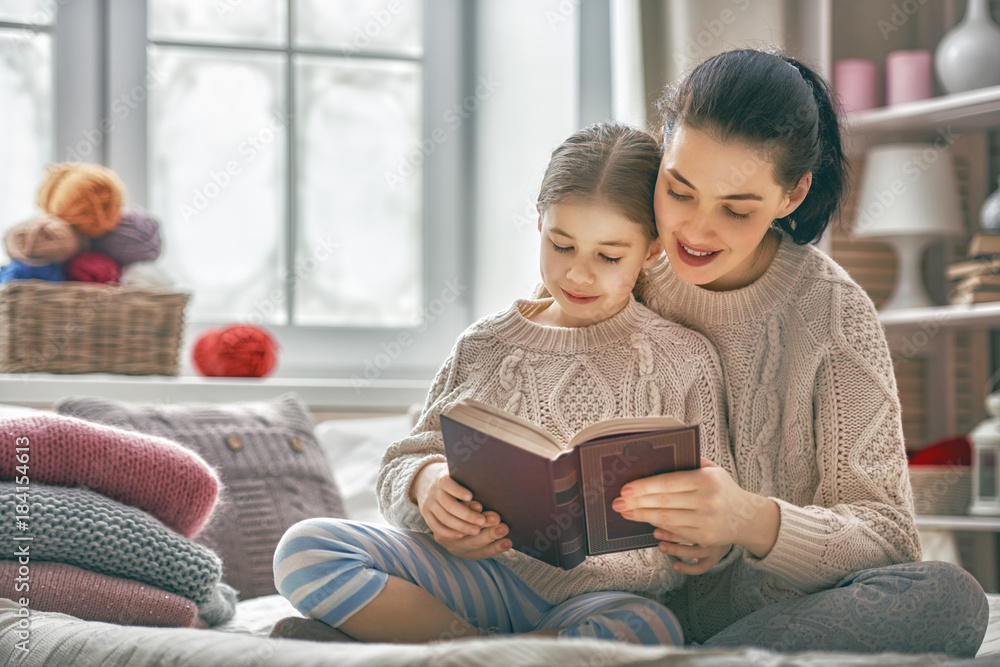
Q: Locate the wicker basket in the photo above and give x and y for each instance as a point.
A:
(941, 490)
(75, 327)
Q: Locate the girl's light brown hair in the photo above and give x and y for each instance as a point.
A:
(607, 163)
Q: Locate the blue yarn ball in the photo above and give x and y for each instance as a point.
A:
(20, 271)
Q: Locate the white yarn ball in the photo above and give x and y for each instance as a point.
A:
(146, 274)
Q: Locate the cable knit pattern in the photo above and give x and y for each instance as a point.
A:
(85, 529)
(632, 364)
(154, 474)
(814, 421)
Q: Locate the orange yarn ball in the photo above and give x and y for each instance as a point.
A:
(87, 196)
(239, 350)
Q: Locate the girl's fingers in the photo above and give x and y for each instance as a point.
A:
(455, 489)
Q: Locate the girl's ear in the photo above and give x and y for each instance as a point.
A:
(539, 217)
(797, 194)
(655, 250)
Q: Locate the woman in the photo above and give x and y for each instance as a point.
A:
(821, 504)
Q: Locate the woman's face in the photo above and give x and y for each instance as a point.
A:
(714, 204)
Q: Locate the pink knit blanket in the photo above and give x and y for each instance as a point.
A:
(94, 597)
(158, 476)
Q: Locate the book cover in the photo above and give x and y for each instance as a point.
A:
(984, 243)
(558, 507)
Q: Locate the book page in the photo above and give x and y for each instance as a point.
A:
(504, 425)
(621, 425)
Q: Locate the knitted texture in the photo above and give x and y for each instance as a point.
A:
(272, 469)
(158, 476)
(83, 528)
(814, 421)
(563, 379)
(95, 597)
(43, 240)
(87, 196)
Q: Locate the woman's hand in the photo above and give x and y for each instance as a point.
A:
(703, 507)
(457, 522)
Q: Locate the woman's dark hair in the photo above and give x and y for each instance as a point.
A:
(777, 103)
(610, 163)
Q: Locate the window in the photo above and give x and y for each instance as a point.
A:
(26, 115)
(296, 153)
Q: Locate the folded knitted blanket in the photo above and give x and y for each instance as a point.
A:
(154, 474)
(94, 597)
(91, 531)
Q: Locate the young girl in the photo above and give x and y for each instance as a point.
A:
(752, 172)
(589, 352)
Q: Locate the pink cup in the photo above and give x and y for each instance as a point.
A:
(907, 76)
(854, 80)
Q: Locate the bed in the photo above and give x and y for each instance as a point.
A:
(355, 445)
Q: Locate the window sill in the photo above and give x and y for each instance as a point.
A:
(42, 390)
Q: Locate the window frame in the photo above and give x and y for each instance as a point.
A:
(106, 63)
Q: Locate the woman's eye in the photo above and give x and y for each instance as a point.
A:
(676, 195)
(611, 260)
(559, 248)
(738, 216)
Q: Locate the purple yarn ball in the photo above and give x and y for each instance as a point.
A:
(135, 239)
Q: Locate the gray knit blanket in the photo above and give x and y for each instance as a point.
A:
(91, 531)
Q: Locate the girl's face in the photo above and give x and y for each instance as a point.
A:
(714, 204)
(590, 259)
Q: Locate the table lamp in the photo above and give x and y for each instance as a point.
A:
(909, 199)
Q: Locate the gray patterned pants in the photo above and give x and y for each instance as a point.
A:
(924, 607)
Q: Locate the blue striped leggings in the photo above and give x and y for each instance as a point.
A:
(330, 568)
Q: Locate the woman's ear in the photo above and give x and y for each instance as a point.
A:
(797, 195)
(539, 217)
(655, 250)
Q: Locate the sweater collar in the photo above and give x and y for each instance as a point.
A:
(513, 326)
(693, 304)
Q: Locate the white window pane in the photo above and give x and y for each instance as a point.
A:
(26, 119)
(243, 21)
(354, 26)
(217, 138)
(34, 12)
(359, 157)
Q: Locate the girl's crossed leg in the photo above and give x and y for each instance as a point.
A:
(382, 584)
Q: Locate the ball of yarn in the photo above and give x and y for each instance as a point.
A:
(145, 274)
(135, 239)
(87, 196)
(240, 350)
(41, 241)
(17, 270)
(93, 267)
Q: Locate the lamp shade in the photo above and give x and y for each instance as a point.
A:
(908, 189)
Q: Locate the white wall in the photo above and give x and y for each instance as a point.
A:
(530, 49)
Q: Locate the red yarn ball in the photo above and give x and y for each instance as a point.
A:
(240, 350)
(93, 267)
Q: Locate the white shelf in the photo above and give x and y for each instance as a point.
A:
(979, 315)
(964, 522)
(972, 110)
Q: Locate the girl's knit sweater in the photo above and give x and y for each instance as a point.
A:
(814, 424)
(563, 379)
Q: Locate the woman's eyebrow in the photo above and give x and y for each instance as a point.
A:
(741, 197)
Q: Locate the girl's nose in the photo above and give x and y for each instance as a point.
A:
(580, 273)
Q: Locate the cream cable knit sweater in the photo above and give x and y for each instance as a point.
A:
(632, 364)
(814, 421)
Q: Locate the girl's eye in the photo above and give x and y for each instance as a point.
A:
(676, 195)
(611, 260)
(738, 216)
(559, 248)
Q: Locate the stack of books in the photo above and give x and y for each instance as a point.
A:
(976, 279)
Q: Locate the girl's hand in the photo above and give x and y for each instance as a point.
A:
(442, 502)
(490, 541)
(701, 558)
(703, 507)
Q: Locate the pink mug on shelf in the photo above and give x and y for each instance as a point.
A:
(907, 76)
(854, 80)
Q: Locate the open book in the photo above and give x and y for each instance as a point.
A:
(557, 502)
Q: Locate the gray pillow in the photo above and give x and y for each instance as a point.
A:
(272, 469)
